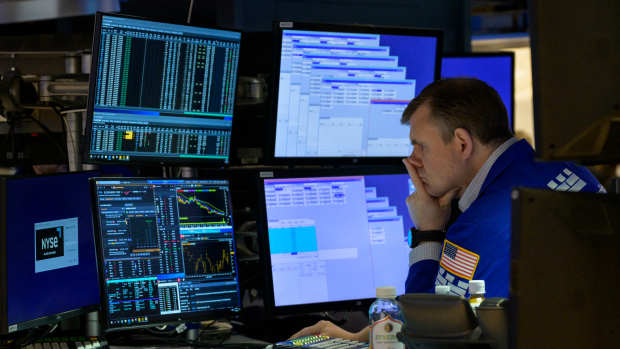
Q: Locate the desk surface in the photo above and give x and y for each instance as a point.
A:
(234, 340)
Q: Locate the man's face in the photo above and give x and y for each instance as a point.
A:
(438, 164)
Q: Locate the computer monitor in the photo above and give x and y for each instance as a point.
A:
(165, 250)
(160, 92)
(330, 238)
(48, 269)
(576, 90)
(564, 284)
(340, 90)
(494, 68)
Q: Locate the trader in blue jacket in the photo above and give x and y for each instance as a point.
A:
(463, 148)
(465, 153)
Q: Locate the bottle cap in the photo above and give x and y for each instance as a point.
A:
(442, 289)
(476, 287)
(386, 292)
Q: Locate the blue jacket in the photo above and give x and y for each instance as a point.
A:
(477, 244)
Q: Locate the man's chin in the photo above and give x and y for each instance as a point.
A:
(432, 191)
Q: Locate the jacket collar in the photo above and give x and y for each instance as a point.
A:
(497, 162)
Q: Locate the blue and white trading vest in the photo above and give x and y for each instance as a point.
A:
(477, 244)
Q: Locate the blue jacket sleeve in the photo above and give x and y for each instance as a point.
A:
(421, 277)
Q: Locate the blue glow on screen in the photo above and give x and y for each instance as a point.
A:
(494, 70)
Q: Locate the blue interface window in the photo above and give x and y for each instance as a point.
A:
(497, 71)
(167, 248)
(163, 92)
(337, 238)
(342, 94)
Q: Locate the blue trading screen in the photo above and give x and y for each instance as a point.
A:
(167, 248)
(163, 91)
(497, 71)
(49, 246)
(342, 94)
(337, 238)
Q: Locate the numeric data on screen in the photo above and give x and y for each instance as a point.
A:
(163, 91)
(167, 249)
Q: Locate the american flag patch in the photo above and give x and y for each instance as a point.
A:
(458, 261)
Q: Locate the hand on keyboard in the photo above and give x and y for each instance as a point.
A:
(329, 329)
(321, 342)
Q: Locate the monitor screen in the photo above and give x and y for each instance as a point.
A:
(160, 92)
(165, 249)
(46, 243)
(330, 241)
(341, 90)
(564, 262)
(576, 90)
(496, 69)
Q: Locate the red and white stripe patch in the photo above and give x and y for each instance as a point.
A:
(458, 261)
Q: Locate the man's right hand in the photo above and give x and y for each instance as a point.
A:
(427, 212)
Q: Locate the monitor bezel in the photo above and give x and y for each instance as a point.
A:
(511, 108)
(86, 139)
(40, 321)
(561, 209)
(263, 236)
(278, 26)
(162, 319)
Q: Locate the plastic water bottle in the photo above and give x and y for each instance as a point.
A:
(476, 293)
(386, 320)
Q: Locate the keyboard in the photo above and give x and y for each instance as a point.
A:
(69, 343)
(321, 342)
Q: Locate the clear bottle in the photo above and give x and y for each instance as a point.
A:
(386, 320)
(476, 293)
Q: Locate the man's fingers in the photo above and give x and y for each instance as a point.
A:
(413, 173)
(446, 199)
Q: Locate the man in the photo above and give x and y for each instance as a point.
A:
(463, 149)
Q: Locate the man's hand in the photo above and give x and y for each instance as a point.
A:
(427, 212)
(327, 328)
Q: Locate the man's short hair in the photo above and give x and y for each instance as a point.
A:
(465, 103)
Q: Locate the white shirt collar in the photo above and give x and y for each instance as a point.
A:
(473, 189)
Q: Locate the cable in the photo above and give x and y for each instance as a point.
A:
(189, 11)
(68, 111)
(69, 133)
(57, 108)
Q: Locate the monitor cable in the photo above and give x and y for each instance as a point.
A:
(189, 11)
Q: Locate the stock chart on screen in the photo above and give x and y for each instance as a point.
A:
(168, 249)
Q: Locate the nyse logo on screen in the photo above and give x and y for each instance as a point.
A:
(50, 243)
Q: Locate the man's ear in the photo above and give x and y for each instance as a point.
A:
(464, 142)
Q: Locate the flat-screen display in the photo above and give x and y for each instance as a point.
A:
(48, 270)
(575, 85)
(564, 259)
(332, 239)
(341, 90)
(165, 249)
(160, 92)
(496, 69)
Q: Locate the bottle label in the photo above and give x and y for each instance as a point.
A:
(383, 334)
